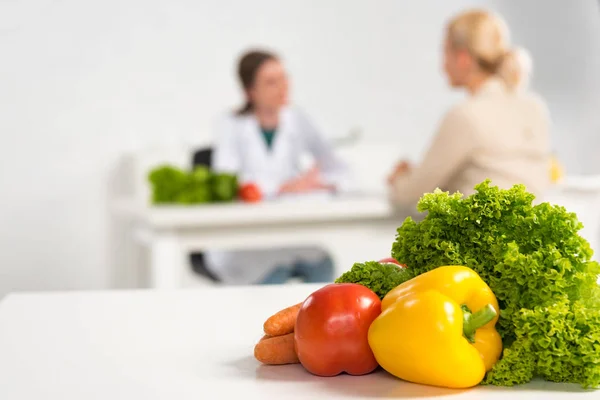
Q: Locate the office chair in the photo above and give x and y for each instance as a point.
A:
(202, 157)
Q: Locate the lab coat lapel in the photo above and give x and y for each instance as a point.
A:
(258, 143)
(280, 149)
(276, 164)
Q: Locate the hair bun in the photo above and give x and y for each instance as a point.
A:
(516, 68)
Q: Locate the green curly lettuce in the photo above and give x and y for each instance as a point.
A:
(172, 185)
(536, 263)
(168, 183)
(380, 278)
(224, 187)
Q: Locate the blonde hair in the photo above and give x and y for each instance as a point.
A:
(485, 36)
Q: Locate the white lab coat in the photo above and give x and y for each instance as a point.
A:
(241, 149)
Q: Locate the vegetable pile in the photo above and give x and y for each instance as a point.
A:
(467, 261)
(537, 265)
(200, 185)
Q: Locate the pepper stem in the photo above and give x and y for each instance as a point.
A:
(474, 321)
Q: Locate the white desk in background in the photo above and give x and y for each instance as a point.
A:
(352, 228)
(188, 344)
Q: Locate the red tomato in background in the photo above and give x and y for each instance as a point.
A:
(250, 193)
(391, 260)
(332, 328)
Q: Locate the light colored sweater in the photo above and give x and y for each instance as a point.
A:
(496, 134)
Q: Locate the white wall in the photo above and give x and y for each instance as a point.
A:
(81, 82)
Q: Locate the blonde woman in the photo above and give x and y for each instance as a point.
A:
(500, 132)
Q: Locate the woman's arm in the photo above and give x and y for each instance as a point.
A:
(306, 182)
(450, 148)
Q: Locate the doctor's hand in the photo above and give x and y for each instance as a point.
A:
(307, 182)
(402, 168)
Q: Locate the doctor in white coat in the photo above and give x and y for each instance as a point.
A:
(263, 143)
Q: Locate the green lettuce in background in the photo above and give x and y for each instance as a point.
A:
(172, 185)
(537, 265)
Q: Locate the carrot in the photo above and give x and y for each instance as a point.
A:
(264, 337)
(276, 350)
(282, 322)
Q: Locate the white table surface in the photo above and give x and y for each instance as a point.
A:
(285, 210)
(350, 227)
(194, 344)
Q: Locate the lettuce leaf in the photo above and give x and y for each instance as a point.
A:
(172, 185)
(380, 278)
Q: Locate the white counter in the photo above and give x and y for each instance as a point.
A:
(194, 344)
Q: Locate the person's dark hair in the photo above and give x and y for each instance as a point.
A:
(247, 68)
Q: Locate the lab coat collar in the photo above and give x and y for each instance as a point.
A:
(255, 130)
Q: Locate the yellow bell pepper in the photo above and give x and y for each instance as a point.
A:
(427, 334)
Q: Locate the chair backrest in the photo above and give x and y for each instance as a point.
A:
(202, 157)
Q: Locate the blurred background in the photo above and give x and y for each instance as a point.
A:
(84, 85)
